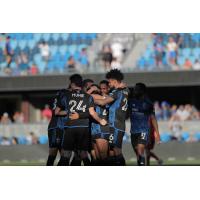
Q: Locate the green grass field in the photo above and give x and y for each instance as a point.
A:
(129, 163)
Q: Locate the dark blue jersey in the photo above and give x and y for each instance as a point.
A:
(140, 112)
(60, 100)
(118, 108)
(79, 102)
(96, 128)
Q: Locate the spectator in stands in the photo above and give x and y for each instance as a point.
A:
(5, 119)
(33, 70)
(46, 113)
(165, 110)
(172, 51)
(107, 56)
(8, 51)
(18, 117)
(196, 65)
(117, 51)
(115, 64)
(23, 64)
(44, 50)
(176, 127)
(188, 64)
(173, 110)
(158, 111)
(14, 140)
(5, 141)
(159, 51)
(32, 139)
(83, 59)
(71, 64)
(182, 113)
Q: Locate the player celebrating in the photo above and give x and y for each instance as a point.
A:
(141, 110)
(118, 103)
(100, 134)
(76, 136)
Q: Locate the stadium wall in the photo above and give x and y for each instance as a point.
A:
(54, 82)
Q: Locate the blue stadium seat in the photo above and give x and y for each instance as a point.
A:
(180, 60)
(197, 136)
(55, 36)
(46, 36)
(76, 55)
(93, 35)
(13, 44)
(37, 36)
(64, 36)
(72, 49)
(31, 44)
(28, 36)
(2, 45)
(186, 52)
(53, 49)
(41, 66)
(185, 136)
(196, 52)
(147, 54)
(43, 139)
(22, 140)
(141, 63)
(22, 44)
(62, 49)
(19, 36)
(165, 137)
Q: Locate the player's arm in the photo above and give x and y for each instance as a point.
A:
(94, 114)
(104, 100)
(58, 111)
(76, 115)
(155, 126)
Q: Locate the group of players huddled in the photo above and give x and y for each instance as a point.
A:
(88, 122)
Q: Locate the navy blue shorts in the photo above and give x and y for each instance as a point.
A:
(116, 137)
(139, 138)
(55, 137)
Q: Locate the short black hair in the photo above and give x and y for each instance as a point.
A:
(76, 79)
(115, 74)
(140, 89)
(86, 81)
(104, 82)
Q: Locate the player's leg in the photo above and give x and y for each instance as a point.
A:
(118, 139)
(102, 146)
(83, 143)
(52, 147)
(148, 156)
(67, 147)
(159, 160)
(141, 154)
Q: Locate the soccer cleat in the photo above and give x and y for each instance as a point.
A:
(160, 162)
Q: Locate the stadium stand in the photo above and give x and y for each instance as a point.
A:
(32, 45)
(158, 53)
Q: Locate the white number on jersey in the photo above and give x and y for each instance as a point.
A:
(77, 105)
(104, 112)
(54, 104)
(143, 135)
(125, 106)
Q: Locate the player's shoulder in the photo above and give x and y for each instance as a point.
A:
(62, 92)
(148, 101)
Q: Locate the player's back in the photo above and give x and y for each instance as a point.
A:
(59, 100)
(140, 111)
(79, 102)
(103, 112)
(118, 109)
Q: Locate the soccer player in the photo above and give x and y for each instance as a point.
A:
(118, 104)
(56, 126)
(100, 134)
(141, 110)
(151, 144)
(76, 137)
